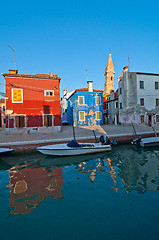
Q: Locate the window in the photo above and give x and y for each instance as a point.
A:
(120, 91)
(4, 121)
(81, 116)
(106, 106)
(49, 93)
(121, 106)
(3, 108)
(17, 95)
(98, 115)
(48, 120)
(156, 85)
(98, 100)
(81, 100)
(157, 118)
(141, 101)
(142, 118)
(19, 121)
(157, 101)
(141, 84)
(116, 104)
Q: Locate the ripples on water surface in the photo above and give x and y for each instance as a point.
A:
(110, 196)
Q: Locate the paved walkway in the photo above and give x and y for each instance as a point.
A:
(32, 140)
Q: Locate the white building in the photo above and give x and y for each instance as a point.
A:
(138, 98)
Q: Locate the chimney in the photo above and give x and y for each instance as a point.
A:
(90, 86)
(13, 71)
(65, 92)
(126, 68)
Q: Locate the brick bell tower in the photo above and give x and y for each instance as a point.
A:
(109, 76)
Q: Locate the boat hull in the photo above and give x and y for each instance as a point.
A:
(5, 152)
(147, 142)
(150, 142)
(64, 150)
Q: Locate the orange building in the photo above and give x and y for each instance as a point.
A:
(32, 102)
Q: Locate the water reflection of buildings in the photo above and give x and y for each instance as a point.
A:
(112, 174)
(140, 173)
(92, 168)
(96, 166)
(30, 186)
(137, 170)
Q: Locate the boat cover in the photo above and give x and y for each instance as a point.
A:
(73, 143)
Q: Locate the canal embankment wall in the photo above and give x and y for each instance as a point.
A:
(119, 133)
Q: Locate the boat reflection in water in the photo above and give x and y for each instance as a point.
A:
(32, 182)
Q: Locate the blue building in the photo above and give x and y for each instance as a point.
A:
(85, 107)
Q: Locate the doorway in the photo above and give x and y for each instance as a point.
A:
(19, 121)
(149, 120)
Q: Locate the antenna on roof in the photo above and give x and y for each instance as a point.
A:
(86, 74)
(128, 63)
(13, 54)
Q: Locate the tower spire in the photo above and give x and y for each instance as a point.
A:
(109, 76)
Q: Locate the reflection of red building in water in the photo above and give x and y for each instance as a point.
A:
(32, 102)
(30, 186)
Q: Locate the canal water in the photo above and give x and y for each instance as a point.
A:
(106, 196)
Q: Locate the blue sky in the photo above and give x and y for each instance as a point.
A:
(68, 37)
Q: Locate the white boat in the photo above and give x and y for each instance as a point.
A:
(73, 148)
(5, 152)
(147, 142)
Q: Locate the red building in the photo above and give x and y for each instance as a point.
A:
(32, 102)
(106, 99)
(110, 108)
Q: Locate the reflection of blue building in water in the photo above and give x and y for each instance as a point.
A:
(85, 107)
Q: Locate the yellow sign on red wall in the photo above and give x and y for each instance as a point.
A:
(17, 95)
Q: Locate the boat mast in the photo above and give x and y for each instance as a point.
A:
(74, 133)
(95, 136)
